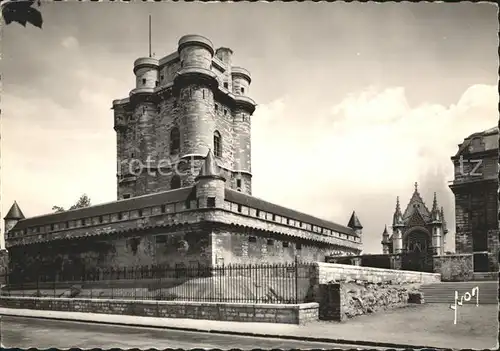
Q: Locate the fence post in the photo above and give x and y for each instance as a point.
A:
(135, 289)
(296, 279)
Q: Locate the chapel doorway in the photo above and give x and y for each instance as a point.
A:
(417, 253)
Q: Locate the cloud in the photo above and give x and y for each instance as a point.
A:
(363, 152)
(358, 154)
(70, 43)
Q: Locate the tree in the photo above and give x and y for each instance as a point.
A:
(83, 201)
(22, 12)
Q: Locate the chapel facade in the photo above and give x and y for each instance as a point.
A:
(417, 229)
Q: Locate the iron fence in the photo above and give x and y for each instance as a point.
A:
(260, 283)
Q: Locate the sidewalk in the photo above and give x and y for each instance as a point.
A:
(370, 330)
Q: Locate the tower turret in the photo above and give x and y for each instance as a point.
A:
(146, 70)
(355, 224)
(437, 227)
(13, 216)
(210, 183)
(397, 229)
(195, 51)
(241, 80)
(385, 241)
(225, 55)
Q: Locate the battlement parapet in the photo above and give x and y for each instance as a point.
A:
(146, 62)
(241, 72)
(195, 39)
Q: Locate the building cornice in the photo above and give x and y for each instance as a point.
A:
(176, 220)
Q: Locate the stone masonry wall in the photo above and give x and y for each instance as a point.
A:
(4, 265)
(267, 313)
(235, 247)
(476, 220)
(328, 272)
(340, 301)
(160, 248)
(458, 267)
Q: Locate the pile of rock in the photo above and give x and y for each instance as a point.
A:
(360, 297)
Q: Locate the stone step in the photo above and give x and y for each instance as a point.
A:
(461, 291)
(451, 302)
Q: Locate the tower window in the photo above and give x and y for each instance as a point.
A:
(100, 219)
(126, 196)
(257, 213)
(143, 81)
(225, 112)
(120, 216)
(299, 246)
(188, 204)
(226, 85)
(270, 242)
(285, 243)
(216, 107)
(217, 144)
(239, 208)
(162, 77)
(140, 213)
(238, 184)
(175, 183)
(157, 83)
(203, 92)
(175, 140)
(252, 239)
(211, 202)
(182, 64)
(163, 208)
(243, 90)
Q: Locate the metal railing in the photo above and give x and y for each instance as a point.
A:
(262, 283)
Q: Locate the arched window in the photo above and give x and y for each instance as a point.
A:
(175, 183)
(217, 144)
(175, 140)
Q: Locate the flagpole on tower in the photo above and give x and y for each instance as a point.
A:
(149, 35)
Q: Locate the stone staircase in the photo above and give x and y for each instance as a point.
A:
(444, 292)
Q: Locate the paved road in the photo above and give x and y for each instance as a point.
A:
(24, 333)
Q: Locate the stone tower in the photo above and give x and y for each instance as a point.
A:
(397, 226)
(385, 241)
(183, 105)
(210, 184)
(475, 187)
(12, 217)
(355, 224)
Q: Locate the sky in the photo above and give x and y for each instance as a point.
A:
(356, 101)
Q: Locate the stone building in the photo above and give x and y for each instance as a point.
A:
(184, 182)
(417, 229)
(476, 199)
